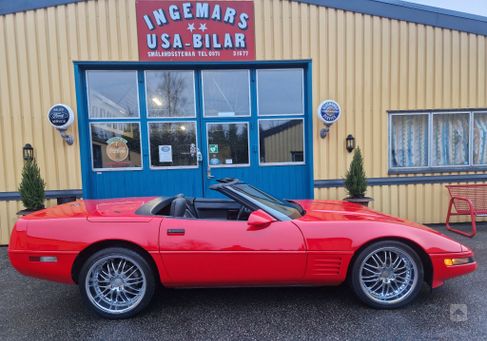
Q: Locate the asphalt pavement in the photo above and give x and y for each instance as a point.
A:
(39, 310)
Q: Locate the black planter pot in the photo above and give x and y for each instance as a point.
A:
(364, 201)
(26, 211)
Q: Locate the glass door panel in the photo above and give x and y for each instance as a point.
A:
(173, 144)
(228, 144)
(226, 93)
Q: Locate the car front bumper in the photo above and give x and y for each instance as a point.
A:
(443, 272)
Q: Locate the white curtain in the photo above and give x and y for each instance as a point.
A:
(409, 140)
(450, 139)
(480, 139)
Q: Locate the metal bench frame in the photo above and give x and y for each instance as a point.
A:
(468, 200)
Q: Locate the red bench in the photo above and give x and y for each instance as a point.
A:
(468, 200)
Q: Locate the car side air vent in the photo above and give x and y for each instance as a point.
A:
(324, 266)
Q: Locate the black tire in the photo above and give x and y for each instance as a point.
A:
(364, 278)
(135, 276)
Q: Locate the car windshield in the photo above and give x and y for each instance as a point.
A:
(276, 206)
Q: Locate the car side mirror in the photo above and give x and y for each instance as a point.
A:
(259, 220)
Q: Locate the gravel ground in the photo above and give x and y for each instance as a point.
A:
(35, 309)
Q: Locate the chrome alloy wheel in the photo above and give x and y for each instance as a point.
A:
(388, 275)
(115, 284)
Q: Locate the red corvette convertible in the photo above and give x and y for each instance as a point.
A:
(118, 250)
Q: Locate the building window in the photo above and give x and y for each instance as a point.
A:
(280, 92)
(436, 141)
(228, 144)
(173, 144)
(480, 139)
(170, 94)
(450, 145)
(409, 141)
(116, 145)
(281, 141)
(112, 94)
(226, 93)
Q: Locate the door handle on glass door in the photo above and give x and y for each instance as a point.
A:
(208, 173)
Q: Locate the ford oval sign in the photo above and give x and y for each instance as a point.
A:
(60, 116)
(329, 111)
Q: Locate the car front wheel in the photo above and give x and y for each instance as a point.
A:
(117, 283)
(387, 275)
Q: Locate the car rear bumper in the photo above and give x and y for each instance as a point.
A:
(443, 272)
(54, 266)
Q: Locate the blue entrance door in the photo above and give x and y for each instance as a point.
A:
(254, 129)
(141, 132)
(159, 129)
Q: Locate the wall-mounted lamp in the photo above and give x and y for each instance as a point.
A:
(28, 152)
(350, 143)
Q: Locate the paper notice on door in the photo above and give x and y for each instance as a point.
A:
(165, 153)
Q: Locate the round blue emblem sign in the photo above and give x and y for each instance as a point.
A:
(329, 111)
(60, 116)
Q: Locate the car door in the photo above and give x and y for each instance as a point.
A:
(205, 252)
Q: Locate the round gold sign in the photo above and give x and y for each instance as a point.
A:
(117, 149)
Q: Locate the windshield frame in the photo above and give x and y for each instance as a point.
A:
(280, 209)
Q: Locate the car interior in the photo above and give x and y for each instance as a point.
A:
(196, 208)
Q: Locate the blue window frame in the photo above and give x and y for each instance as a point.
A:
(159, 176)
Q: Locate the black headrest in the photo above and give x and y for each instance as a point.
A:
(178, 207)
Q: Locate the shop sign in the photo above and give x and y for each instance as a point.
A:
(329, 111)
(117, 149)
(60, 116)
(195, 30)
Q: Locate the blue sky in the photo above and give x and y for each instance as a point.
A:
(478, 7)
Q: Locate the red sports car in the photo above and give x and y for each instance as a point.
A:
(118, 250)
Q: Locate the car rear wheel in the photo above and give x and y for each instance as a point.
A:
(387, 275)
(117, 283)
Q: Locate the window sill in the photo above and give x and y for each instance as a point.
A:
(437, 170)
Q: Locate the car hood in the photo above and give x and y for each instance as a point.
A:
(92, 209)
(339, 221)
(334, 210)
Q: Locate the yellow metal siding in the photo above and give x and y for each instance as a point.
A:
(368, 64)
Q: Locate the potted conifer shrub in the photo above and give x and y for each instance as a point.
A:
(356, 181)
(31, 188)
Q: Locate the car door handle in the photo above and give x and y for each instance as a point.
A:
(175, 232)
